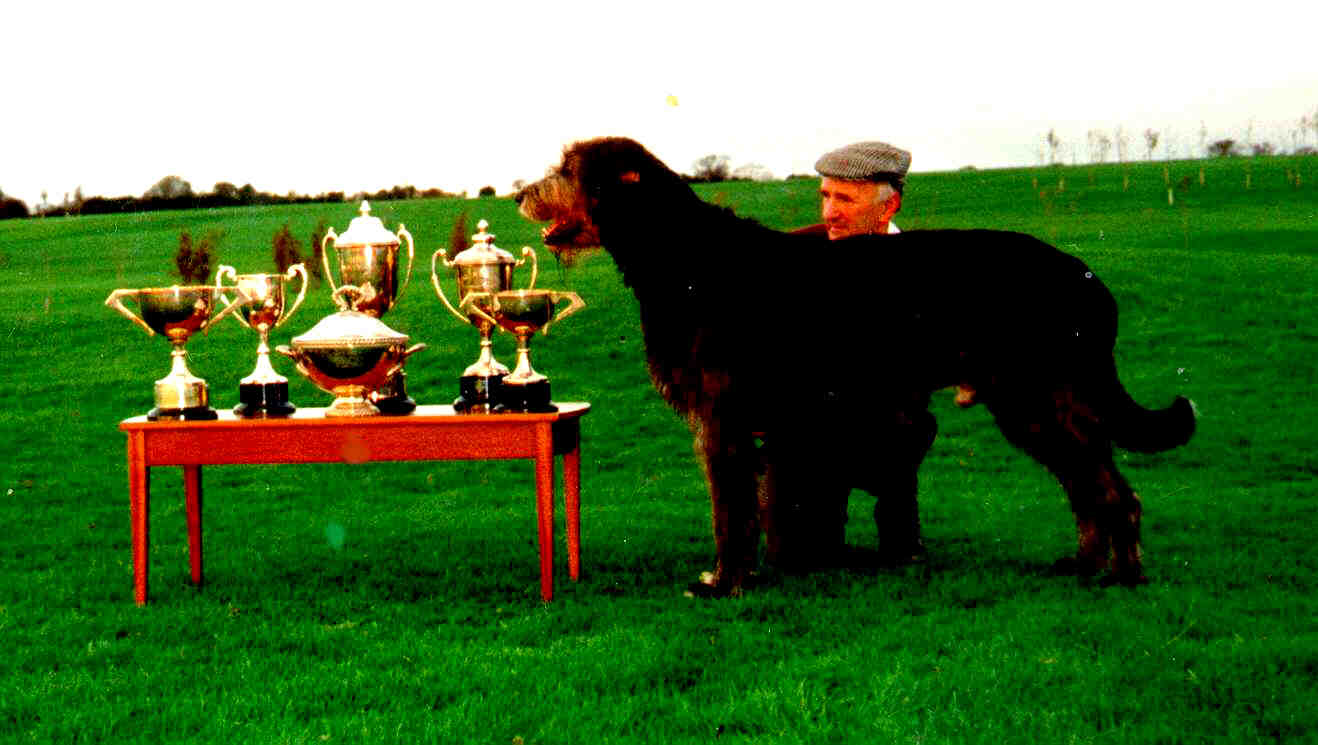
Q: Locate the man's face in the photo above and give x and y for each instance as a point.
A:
(851, 207)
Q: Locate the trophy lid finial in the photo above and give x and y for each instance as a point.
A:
(483, 237)
(483, 251)
(366, 229)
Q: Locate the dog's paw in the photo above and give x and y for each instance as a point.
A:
(710, 586)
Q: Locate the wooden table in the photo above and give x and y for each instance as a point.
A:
(429, 433)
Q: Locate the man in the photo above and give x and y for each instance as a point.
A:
(860, 192)
(861, 189)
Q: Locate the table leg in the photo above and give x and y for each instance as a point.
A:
(572, 505)
(544, 506)
(192, 498)
(139, 502)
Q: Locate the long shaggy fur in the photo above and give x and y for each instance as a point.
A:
(833, 359)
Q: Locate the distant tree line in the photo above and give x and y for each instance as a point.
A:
(1100, 144)
(716, 168)
(174, 193)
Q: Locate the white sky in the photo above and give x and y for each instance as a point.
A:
(314, 97)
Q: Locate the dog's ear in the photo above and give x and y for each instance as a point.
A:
(630, 177)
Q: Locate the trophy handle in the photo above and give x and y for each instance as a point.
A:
(411, 258)
(362, 293)
(439, 288)
(471, 307)
(529, 253)
(232, 273)
(115, 300)
(231, 307)
(324, 257)
(293, 271)
(576, 304)
(410, 351)
(292, 354)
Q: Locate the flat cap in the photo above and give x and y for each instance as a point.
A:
(866, 161)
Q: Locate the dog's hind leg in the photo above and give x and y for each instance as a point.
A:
(803, 510)
(1064, 435)
(730, 462)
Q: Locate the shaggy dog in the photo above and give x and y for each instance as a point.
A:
(831, 351)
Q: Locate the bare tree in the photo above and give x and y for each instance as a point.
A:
(1151, 142)
(712, 168)
(1099, 145)
(752, 172)
(1222, 148)
(1123, 144)
(1053, 144)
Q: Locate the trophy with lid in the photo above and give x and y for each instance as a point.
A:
(263, 393)
(368, 260)
(482, 271)
(350, 354)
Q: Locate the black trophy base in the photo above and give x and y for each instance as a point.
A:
(263, 400)
(395, 405)
(391, 399)
(194, 414)
(477, 394)
(529, 397)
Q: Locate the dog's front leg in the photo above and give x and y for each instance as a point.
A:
(730, 462)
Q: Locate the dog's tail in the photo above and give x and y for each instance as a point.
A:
(1142, 430)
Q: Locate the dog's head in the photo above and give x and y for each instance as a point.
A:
(600, 185)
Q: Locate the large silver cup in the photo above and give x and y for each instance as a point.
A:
(368, 256)
(176, 313)
(368, 259)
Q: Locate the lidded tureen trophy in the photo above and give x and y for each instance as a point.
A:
(481, 271)
(368, 260)
(350, 354)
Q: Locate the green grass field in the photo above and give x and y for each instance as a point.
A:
(424, 623)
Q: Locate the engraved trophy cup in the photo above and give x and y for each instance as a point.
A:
(176, 313)
(522, 313)
(482, 271)
(264, 393)
(368, 259)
